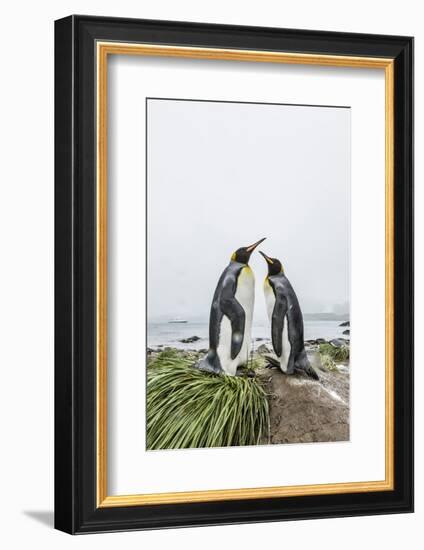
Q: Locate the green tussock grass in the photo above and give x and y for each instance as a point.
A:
(337, 354)
(328, 363)
(188, 408)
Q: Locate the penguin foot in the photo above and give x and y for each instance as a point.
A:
(272, 362)
(205, 366)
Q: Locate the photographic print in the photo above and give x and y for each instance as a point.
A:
(248, 273)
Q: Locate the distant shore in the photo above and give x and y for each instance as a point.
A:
(195, 334)
(190, 346)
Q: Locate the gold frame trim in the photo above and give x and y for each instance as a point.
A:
(119, 48)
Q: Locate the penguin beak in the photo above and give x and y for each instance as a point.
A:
(267, 258)
(252, 247)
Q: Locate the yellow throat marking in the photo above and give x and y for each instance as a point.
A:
(246, 272)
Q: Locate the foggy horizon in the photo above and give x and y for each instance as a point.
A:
(221, 176)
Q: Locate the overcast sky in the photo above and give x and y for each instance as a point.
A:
(223, 175)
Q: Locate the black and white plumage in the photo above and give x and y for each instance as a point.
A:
(231, 315)
(286, 320)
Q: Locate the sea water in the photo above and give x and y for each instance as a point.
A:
(168, 334)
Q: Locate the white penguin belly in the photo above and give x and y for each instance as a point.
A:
(269, 299)
(245, 295)
(286, 348)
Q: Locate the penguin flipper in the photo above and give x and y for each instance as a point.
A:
(277, 323)
(232, 308)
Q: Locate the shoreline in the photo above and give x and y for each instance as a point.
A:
(185, 345)
(195, 335)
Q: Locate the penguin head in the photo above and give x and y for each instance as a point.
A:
(242, 255)
(274, 265)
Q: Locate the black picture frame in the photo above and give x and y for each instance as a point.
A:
(76, 510)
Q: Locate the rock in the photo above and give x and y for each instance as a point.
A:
(345, 324)
(304, 410)
(150, 351)
(321, 341)
(263, 348)
(259, 339)
(310, 342)
(346, 331)
(203, 351)
(190, 340)
(338, 342)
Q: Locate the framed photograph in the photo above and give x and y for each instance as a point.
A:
(234, 274)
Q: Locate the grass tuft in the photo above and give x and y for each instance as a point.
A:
(337, 354)
(188, 408)
(328, 363)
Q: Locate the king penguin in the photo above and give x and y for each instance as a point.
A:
(286, 321)
(231, 314)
